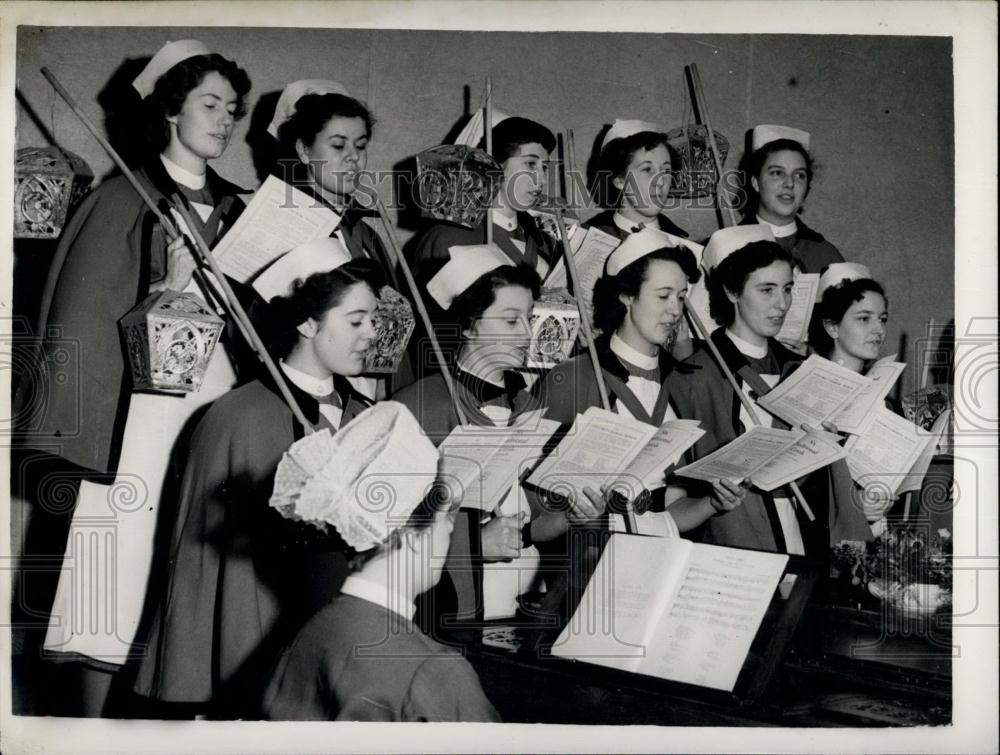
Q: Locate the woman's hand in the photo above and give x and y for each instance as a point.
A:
(501, 538)
(727, 495)
(180, 265)
(586, 510)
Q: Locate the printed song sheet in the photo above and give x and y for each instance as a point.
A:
(742, 457)
(814, 393)
(795, 328)
(278, 219)
(883, 456)
(813, 451)
(590, 253)
(648, 469)
(854, 416)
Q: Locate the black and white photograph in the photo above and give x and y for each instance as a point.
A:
(499, 377)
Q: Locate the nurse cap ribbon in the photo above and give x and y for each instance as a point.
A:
(317, 256)
(166, 58)
(838, 272)
(725, 241)
(768, 133)
(637, 245)
(622, 129)
(467, 265)
(294, 92)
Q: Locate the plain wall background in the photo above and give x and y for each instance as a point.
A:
(880, 110)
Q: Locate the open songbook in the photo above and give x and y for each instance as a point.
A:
(487, 461)
(795, 328)
(673, 609)
(605, 448)
(767, 456)
(277, 219)
(821, 391)
(891, 456)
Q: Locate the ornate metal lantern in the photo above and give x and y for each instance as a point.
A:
(555, 323)
(394, 323)
(48, 181)
(457, 184)
(169, 338)
(696, 176)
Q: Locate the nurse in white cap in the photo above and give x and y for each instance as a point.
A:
(778, 174)
(634, 174)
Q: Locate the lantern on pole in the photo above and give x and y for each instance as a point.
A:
(457, 184)
(169, 339)
(48, 182)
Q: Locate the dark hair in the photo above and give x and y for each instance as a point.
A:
(832, 307)
(173, 87)
(614, 160)
(753, 163)
(312, 113)
(733, 272)
(512, 133)
(315, 296)
(477, 298)
(609, 311)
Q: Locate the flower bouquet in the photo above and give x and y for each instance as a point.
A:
(907, 567)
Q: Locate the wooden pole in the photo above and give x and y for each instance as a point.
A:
(397, 254)
(232, 304)
(488, 133)
(728, 213)
(706, 337)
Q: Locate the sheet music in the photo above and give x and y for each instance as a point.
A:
(814, 393)
(809, 453)
(590, 254)
(504, 581)
(742, 457)
(884, 454)
(855, 415)
(648, 469)
(795, 328)
(706, 634)
(599, 444)
(277, 219)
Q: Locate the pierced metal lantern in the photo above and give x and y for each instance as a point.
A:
(169, 338)
(457, 184)
(48, 182)
(555, 323)
(696, 176)
(394, 323)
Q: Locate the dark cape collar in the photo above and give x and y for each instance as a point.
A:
(484, 392)
(735, 359)
(351, 401)
(610, 362)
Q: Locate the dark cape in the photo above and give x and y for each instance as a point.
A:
(243, 579)
(810, 251)
(605, 221)
(109, 255)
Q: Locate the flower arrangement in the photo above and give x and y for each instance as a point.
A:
(907, 567)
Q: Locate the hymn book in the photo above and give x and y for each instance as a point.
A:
(606, 448)
(670, 608)
(767, 456)
(277, 219)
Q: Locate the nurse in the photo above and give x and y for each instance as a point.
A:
(243, 579)
(778, 175)
(114, 444)
(750, 283)
(633, 181)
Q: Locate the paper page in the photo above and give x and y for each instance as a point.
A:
(487, 461)
(650, 524)
(624, 600)
(740, 458)
(595, 247)
(599, 444)
(504, 581)
(795, 329)
(278, 219)
(854, 416)
(814, 393)
(648, 469)
(887, 450)
(811, 452)
(706, 634)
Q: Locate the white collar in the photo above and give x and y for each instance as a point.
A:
(780, 231)
(309, 384)
(462, 367)
(508, 224)
(627, 225)
(381, 595)
(632, 356)
(746, 348)
(183, 175)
